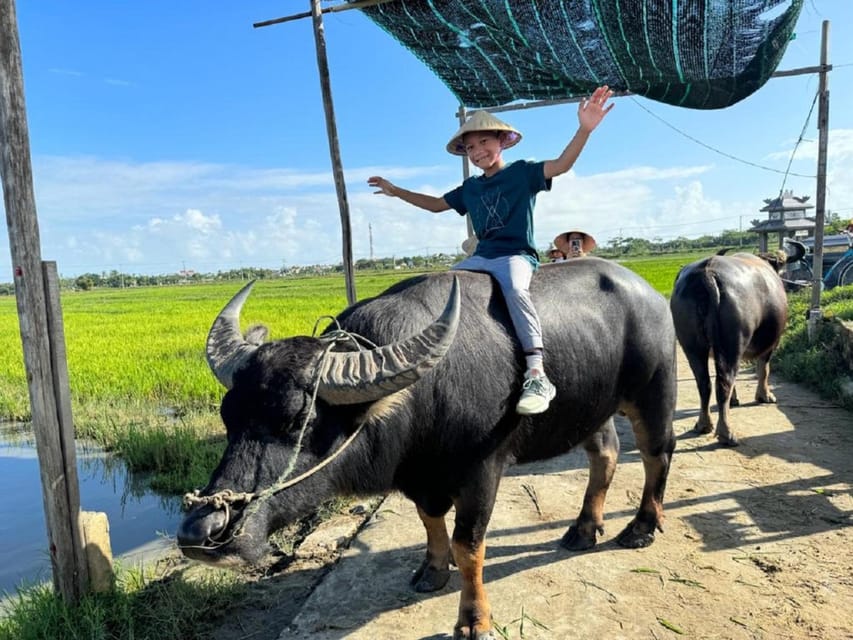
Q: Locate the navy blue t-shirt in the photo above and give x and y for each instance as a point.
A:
(501, 208)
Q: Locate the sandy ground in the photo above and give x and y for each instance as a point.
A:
(758, 543)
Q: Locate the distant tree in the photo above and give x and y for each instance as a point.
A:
(834, 223)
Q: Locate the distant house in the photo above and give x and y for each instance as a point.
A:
(786, 216)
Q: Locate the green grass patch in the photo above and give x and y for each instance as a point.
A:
(660, 271)
(142, 606)
(816, 363)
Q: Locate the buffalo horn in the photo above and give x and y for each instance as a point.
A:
(364, 376)
(227, 349)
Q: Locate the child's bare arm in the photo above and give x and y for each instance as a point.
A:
(422, 200)
(590, 114)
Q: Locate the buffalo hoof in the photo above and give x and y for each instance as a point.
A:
(768, 398)
(635, 536)
(703, 427)
(576, 540)
(428, 579)
(727, 440)
(734, 402)
(464, 633)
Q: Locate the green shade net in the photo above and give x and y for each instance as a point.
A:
(703, 54)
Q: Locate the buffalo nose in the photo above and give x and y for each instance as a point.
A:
(200, 526)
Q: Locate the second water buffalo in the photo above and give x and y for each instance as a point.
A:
(730, 308)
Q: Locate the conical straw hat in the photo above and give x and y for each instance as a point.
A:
(483, 121)
(587, 243)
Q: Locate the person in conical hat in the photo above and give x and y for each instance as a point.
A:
(500, 203)
(575, 243)
(483, 121)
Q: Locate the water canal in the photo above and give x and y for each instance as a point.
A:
(140, 520)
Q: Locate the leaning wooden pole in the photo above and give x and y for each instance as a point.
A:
(57, 463)
(820, 200)
(334, 147)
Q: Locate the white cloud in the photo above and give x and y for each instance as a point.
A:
(839, 147)
(160, 217)
(639, 202)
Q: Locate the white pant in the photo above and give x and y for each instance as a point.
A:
(513, 274)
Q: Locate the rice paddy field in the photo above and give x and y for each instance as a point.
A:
(145, 347)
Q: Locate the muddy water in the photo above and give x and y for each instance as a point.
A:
(140, 521)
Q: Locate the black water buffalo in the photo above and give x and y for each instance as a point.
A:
(431, 412)
(731, 307)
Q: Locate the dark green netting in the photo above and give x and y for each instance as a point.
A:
(703, 54)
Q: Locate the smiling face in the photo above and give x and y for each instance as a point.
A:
(484, 150)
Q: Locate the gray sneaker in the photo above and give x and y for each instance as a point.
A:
(536, 395)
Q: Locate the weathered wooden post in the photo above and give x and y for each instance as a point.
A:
(815, 313)
(334, 147)
(57, 457)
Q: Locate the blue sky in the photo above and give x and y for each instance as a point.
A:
(171, 135)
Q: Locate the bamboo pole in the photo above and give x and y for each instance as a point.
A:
(344, 6)
(334, 147)
(820, 200)
(57, 466)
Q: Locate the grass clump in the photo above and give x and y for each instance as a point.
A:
(817, 363)
(141, 606)
(174, 452)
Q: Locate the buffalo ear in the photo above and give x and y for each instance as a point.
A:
(257, 334)
(775, 259)
(794, 250)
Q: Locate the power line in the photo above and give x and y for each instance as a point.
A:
(714, 149)
(797, 144)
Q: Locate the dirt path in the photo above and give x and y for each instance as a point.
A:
(758, 543)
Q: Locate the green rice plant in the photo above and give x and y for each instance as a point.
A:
(147, 345)
(661, 271)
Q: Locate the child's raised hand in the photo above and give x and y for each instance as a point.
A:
(382, 184)
(592, 110)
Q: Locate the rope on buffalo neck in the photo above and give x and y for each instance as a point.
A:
(222, 500)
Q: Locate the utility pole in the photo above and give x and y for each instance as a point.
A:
(820, 201)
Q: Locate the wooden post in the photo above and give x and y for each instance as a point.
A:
(334, 148)
(820, 201)
(57, 467)
(62, 394)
